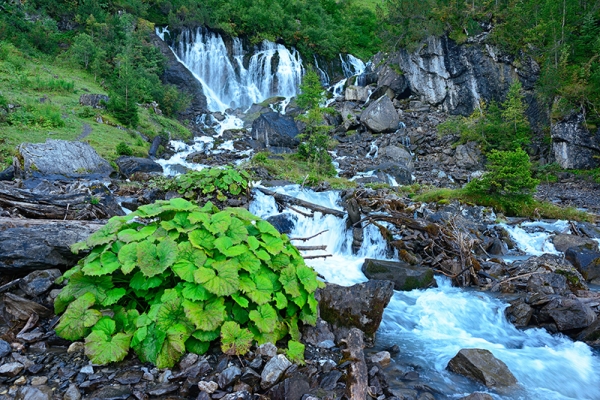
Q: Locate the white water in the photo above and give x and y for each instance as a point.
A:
(431, 326)
(533, 238)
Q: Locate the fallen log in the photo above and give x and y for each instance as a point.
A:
(41, 244)
(302, 203)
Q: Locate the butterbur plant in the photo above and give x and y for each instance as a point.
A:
(172, 277)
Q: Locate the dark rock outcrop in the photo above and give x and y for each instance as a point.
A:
(567, 314)
(132, 165)
(8, 174)
(359, 306)
(284, 223)
(275, 130)
(586, 261)
(574, 145)
(482, 366)
(404, 275)
(562, 242)
(93, 100)
(380, 116)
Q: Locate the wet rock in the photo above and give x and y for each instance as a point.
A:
(482, 366)
(549, 283)
(34, 393)
(93, 100)
(380, 116)
(388, 76)
(477, 396)
(574, 145)
(556, 264)
(591, 333)
(62, 158)
(519, 313)
(72, 393)
(319, 335)
(284, 223)
(76, 347)
(38, 282)
(562, 242)
(229, 376)
(5, 348)
(39, 380)
(568, 314)
(586, 261)
(382, 357)
(274, 370)
(133, 165)
(130, 377)
(359, 306)
(357, 381)
(250, 377)
(274, 129)
(162, 389)
(400, 173)
(11, 369)
(404, 275)
(290, 389)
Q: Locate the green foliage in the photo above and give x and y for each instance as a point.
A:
(508, 178)
(215, 184)
(40, 115)
(172, 277)
(123, 149)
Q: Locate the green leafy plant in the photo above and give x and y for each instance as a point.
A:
(211, 183)
(123, 149)
(172, 277)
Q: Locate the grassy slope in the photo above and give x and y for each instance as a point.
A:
(24, 81)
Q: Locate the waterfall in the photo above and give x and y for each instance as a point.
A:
(234, 76)
(351, 65)
(432, 325)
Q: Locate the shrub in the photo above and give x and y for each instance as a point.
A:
(123, 149)
(172, 277)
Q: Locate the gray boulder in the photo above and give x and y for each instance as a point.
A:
(284, 223)
(398, 171)
(403, 275)
(586, 261)
(8, 174)
(276, 130)
(477, 396)
(562, 242)
(357, 93)
(61, 158)
(380, 116)
(482, 366)
(467, 156)
(274, 370)
(389, 76)
(38, 282)
(574, 145)
(93, 100)
(568, 314)
(359, 306)
(131, 165)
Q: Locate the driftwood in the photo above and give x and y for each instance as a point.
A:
(29, 244)
(302, 203)
(311, 248)
(310, 237)
(23, 309)
(76, 205)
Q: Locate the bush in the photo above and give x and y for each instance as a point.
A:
(172, 277)
(123, 149)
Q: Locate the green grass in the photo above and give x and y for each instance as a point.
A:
(47, 92)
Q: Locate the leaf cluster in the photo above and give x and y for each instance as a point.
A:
(172, 277)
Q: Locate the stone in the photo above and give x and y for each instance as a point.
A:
(20, 381)
(161, 389)
(293, 388)
(8, 174)
(591, 333)
(243, 395)
(519, 313)
(477, 396)
(392, 173)
(267, 349)
(94, 100)
(88, 370)
(130, 377)
(568, 314)
(56, 158)
(111, 392)
(11, 369)
(229, 376)
(404, 275)
(574, 146)
(389, 76)
(468, 156)
(357, 93)
(380, 116)
(284, 223)
(5, 348)
(359, 306)
(549, 283)
(132, 165)
(38, 282)
(209, 387)
(586, 261)
(76, 347)
(34, 393)
(274, 370)
(330, 380)
(556, 264)
(250, 377)
(357, 380)
(319, 335)
(39, 380)
(22, 308)
(72, 393)
(383, 357)
(562, 242)
(482, 366)
(275, 130)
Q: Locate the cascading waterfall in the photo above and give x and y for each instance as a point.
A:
(351, 65)
(431, 326)
(230, 82)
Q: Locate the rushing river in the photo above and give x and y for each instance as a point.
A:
(431, 326)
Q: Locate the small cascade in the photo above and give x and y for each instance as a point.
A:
(228, 77)
(178, 163)
(373, 150)
(533, 238)
(323, 75)
(352, 66)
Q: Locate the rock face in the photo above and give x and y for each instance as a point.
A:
(567, 314)
(360, 306)
(586, 261)
(357, 93)
(380, 116)
(390, 78)
(93, 100)
(131, 165)
(62, 158)
(404, 275)
(574, 145)
(275, 130)
(482, 366)
(562, 242)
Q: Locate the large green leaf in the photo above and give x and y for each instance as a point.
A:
(173, 346)
(253, 243)
(179, 204)
(78, 318)
(219, 222)
(140, 282)
(195, 292)
(308, 277)
(223, 244)
(104, 235)
(79, 285)
(193, 345)
(199, 218)
(295, 352)
(110, 263)
(249, 262)
(170, 311)
(180, 222)
(237, 231)
(147, 260)
(151, 210)
(241, 300)
(263, 289)
(148, 348)
(208, 316)
(102, 347)
(222, 279)
(167, 253)
(266, 227)
(133, 235)
(202, 239)
(113, 296)
(234, 339)
(281, 301)
(128, 257)
(273, 244)
(265, 317)
(289, 281)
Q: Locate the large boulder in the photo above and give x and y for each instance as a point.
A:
(574, 145)
(390, 77)
(275, 130)
(131, 165)
(357, 93)
(567, 314)
(562, 242)
(61, 158)
(482, 366)
(360, 306)
(468, 156)
(93, 100)
(586, 261)
(380, 116)
(403, 275)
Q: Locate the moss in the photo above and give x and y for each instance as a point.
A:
(412, 282)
